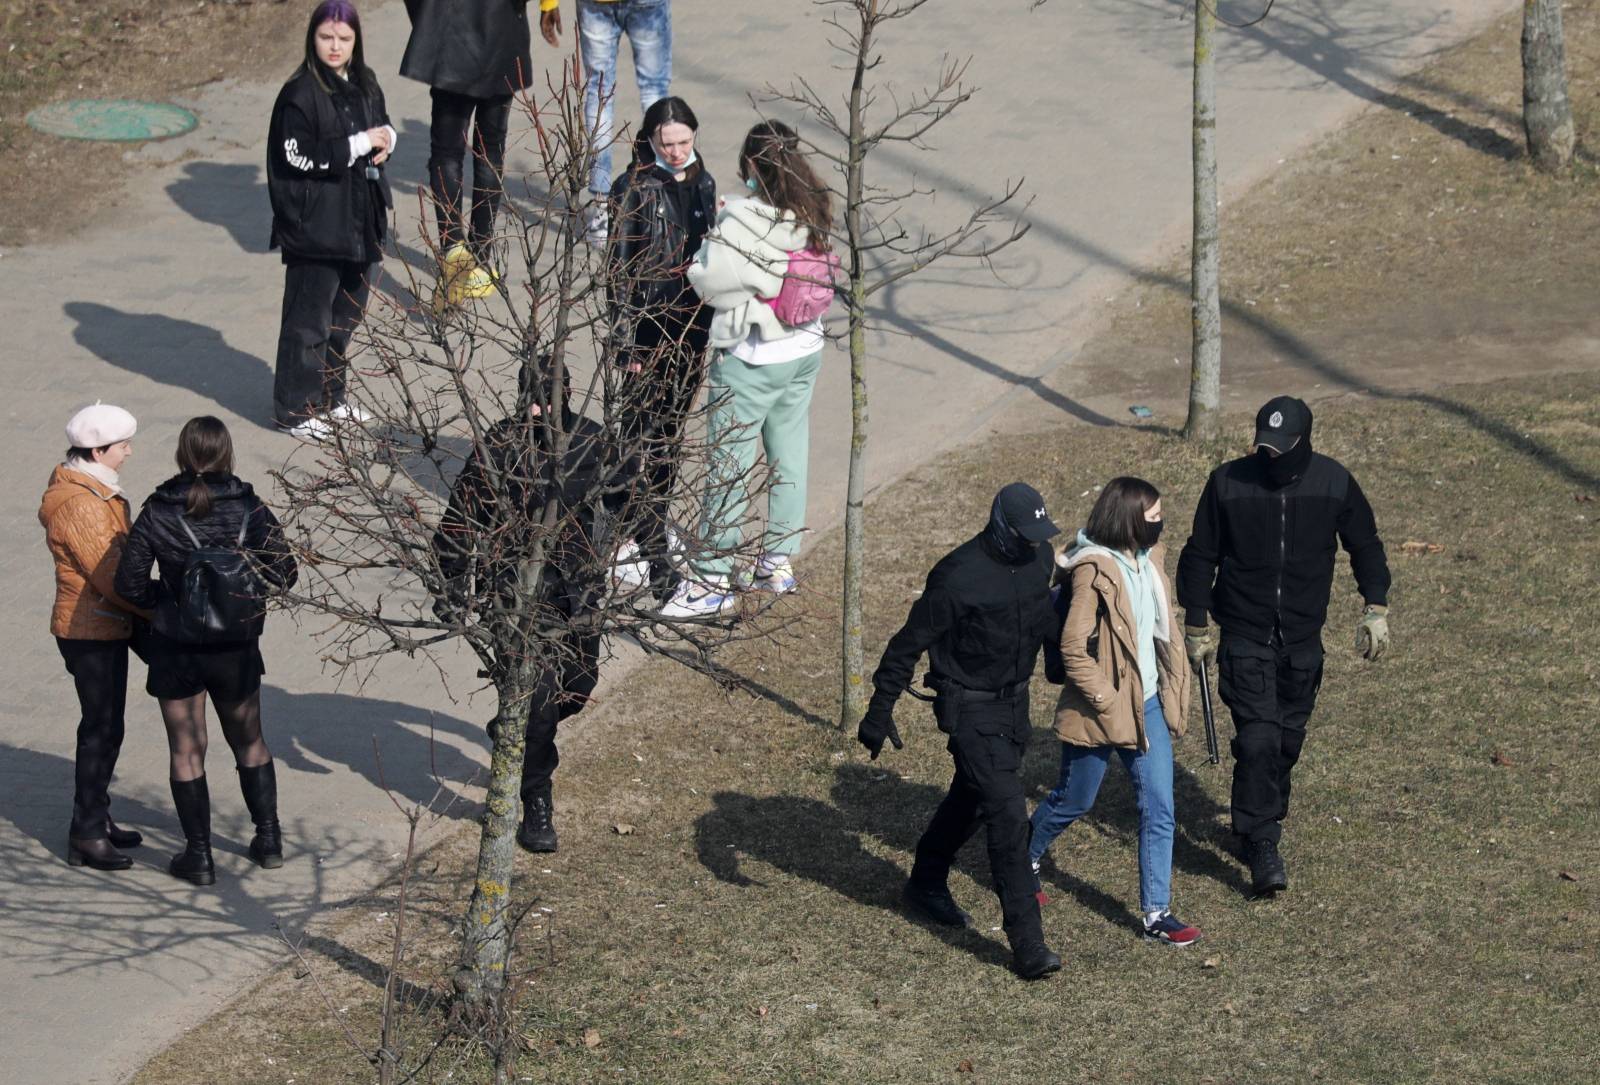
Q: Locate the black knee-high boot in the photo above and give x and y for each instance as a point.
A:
(193, 863)
(260, 786)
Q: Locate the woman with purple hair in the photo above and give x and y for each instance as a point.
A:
(329, 138)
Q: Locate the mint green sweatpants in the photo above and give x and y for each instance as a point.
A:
(756, 406)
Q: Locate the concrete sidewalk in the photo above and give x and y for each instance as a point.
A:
(172, 310)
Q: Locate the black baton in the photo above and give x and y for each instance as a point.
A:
(1210, 716)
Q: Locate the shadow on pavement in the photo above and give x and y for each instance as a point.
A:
(179, 353)
(230, 195)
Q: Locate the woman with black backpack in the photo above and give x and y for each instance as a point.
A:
(219, 550)
(328, 141)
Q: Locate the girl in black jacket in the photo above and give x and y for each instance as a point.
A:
(661, 209)
(329, 138)
(206, 505)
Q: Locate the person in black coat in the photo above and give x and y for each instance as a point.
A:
(982, 618)
(487, 526)
(661, 209)
(205, 504)
(326, 146)
(1260, 561)
(474, 55)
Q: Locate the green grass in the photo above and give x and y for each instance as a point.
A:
(747, 930)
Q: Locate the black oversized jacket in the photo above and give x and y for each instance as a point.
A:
(1261, 557)
(980, 618)
(323, 205)
(657, 226)
(478, 544)
(158, 539)
(479, 48)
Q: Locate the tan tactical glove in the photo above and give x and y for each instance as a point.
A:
(1200, 642)
(1372, 635)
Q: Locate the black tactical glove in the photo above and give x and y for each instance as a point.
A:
(877, 725)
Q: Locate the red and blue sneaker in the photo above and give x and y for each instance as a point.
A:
(1168, 928)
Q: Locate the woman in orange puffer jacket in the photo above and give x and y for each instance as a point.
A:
(85, 520)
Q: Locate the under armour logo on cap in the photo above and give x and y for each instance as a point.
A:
(1024, 510)
(1038, 513)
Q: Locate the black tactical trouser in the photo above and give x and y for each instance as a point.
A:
(987, 740)
(1270, 689)
(562, 692)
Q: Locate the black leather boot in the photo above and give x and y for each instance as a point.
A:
(96, 853)
(1267, 873)
(193, 863)
(260, 786)
(935, 903)
(120, 837)
(1034, 960)
(538, 831)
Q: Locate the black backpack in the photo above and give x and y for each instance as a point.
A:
(1055, 668)
(219, 600)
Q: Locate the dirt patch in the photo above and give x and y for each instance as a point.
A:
(57, 49)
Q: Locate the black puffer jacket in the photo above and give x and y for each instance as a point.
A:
(323, 205)
(1261, 556)
(478, 546)
(657, 225)
(158, 538)
(474, 47)
(982, 619)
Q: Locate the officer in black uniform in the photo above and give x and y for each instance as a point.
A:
(1260, 560)
(480, 540)
(982, 619)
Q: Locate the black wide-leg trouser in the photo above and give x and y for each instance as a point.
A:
(1271, 690)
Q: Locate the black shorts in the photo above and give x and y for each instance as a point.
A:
(230, 673)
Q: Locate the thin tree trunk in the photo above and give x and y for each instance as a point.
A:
(1205, 366)
(852, 699)
(486, 935)
(1546, 111)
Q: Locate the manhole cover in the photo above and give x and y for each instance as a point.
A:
(118, 120)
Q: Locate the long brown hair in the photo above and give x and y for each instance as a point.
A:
(771, 157)
(1117, 520)
(204, 448)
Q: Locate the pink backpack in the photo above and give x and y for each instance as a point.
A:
(808, 285)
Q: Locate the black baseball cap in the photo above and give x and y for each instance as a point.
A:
(1023, 509)
(1282, 422)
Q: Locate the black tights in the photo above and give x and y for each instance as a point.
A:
(186, 733)
(453, 114)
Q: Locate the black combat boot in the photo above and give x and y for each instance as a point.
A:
(259, 783)
(935, 903)
(1267, 873)
(538, 830)
(193, 863)
(1034, 960)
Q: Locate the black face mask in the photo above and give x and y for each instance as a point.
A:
(1150, 533)
(1004, 538)
(1284, 469)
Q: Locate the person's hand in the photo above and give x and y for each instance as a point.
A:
(1372, 635)
(877, 725)
(380, 138)
(451, 607)
(1200, 644)
(550, 25)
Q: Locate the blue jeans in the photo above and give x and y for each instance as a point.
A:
(648, 24)
(1082, 769)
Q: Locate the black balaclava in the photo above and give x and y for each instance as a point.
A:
(1018, 523)
(1287, 467)
(1004, 538)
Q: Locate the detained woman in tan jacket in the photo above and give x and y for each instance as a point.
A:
(86, 521)
(1127, 688)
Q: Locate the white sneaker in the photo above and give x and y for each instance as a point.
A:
(351, 412)
(774, 574)
(697, 600)
(628, 569)
(596, 223)
(312, 429)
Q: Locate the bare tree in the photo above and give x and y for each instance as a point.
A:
(484, 501)
(880, 249)
(1205, 315)
(1546, 110)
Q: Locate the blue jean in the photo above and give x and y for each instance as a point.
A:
(1082, 769)
(648, 24)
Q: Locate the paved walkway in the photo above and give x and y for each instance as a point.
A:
(172, 310)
